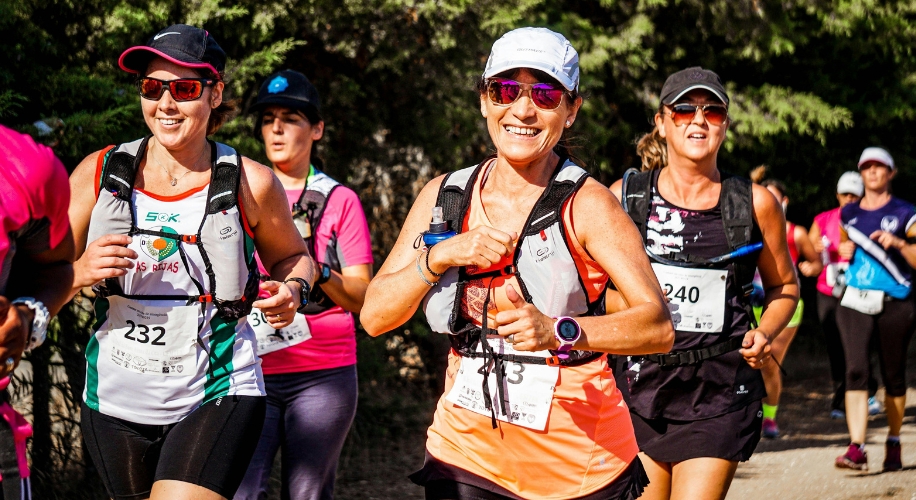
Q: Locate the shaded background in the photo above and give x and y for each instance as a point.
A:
(812, 83)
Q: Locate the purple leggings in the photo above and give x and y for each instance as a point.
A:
(308, 415)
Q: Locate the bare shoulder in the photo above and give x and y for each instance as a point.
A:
(765, 205)
(83, 175)
(617, 189)
(594, 195)
(260, 178)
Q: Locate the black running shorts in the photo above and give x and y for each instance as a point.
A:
(732, 436)
(211, 447)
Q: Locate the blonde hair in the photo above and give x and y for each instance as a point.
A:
(652, 150)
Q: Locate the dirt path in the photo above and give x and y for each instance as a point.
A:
(800, 463)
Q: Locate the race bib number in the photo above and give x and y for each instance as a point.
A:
(869, 302)
(528, 388)
(696, 297)
(270, 339)
(153, 340)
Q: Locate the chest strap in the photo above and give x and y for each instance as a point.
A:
(695, 356)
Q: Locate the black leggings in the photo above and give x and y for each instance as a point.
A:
(892, 328)
(211, 447)
(826, 314)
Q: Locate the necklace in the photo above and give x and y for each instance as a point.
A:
(174, 180)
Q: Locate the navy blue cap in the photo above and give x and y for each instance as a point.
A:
(181, 44)
(287, 88)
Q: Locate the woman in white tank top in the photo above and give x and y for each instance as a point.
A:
(174, 396)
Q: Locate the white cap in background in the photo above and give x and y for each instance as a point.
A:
(850, 183)
(879, 155)
(536, 48)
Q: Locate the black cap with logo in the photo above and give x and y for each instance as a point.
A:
(287, 88)
(689, 79)
(181, 44)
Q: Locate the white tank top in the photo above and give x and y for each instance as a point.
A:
(154, 361)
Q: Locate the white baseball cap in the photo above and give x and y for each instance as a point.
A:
(850, 183)
(536, 48)
(879, 155)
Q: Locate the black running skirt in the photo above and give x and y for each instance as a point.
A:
(732, 436)
(446, 482)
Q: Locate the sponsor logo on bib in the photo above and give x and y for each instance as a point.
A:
(159, 248)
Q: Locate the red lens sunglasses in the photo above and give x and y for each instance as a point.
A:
(181, 89)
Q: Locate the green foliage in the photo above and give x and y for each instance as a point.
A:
(812, 83)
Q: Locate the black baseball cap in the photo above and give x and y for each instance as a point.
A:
(689, 79)
(287, 88)
(181, 44)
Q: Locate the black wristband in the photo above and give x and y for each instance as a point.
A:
(324, 275)
(434, 273)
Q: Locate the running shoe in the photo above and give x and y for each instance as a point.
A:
(770, 429)
(854, 458)
(892, 460)
(837, 415)
(874, 407)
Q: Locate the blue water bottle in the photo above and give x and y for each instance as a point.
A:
(438, 229)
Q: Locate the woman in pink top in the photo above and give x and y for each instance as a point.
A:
(310, 367)
(825, 236)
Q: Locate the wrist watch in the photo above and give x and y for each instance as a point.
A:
(324, 274)
(38, 331)
(304, 291)
(567, 332)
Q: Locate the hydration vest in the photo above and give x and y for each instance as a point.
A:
(737, 204)
(542, 262)
(231, 269)
(310, 208)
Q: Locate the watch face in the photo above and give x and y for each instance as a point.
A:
(568, 329)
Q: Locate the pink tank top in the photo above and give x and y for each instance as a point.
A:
(829, 224)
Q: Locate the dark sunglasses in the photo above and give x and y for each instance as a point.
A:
(181, 89)
(715, 114)
(503, 92)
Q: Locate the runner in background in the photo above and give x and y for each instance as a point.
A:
(696, 411)
(167, 227)
(809, 263)
(530, 408)
(36, 251)
(879, 239)
(311, 382)
(825, 236)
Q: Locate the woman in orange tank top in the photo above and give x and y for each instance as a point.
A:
(530, 408)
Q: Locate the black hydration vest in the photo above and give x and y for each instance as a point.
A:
(220, 238)
(737, 204)
(309, 209)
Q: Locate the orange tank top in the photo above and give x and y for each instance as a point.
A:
(588, 441)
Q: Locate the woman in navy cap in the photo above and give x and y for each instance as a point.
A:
(697, 410)
(310, 368)
(879, 239)
(166, 228)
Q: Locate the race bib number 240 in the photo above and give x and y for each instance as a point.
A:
(696, 297)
